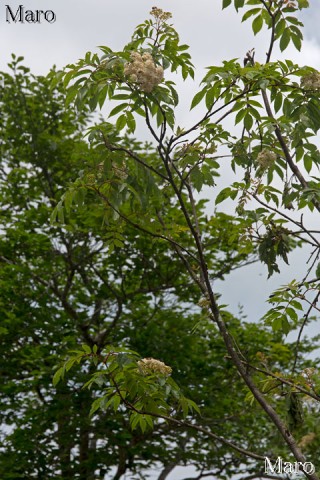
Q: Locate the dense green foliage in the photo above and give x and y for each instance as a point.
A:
(117, 356)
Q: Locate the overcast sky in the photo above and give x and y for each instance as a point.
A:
(82, 25)
(213, 35)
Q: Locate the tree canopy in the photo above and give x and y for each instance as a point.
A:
(118, 355)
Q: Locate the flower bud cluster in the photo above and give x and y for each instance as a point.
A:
(120, 171)
(148, 366)
(306, 440)
(311, 81)
(204, 302)
(266, 158)
(309, 372)
(90, 179)
(160, 14)
(289, 3)
(143, 71)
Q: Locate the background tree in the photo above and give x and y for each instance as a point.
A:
(109, 273)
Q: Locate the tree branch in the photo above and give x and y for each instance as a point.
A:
(293, 167)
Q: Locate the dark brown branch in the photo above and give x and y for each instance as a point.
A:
(312, 305)
(182, 423)
(144, 230)
(171, 465)
(283, 380)
(132, 155)
(216, 317)
(209, 114)
(167, 470)
(298, 224)
(263, 475)
(182, 257)
(122, 465)
(273, 17)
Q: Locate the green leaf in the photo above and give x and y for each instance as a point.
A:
(184, 406)
(292, 314)
(223, 195)
(60, 214)
(116, 402)
(296, 40)
(285, 39)
(134, 420)
(278, 102)
(285, 325)
(250, 13)
(257, 24)
(248, 121)
(280, 26)
(240, 115)
(121, 122)
(69, 364)
(307, 161)
(160, 117)
(313, 109)
(118, 109)
(95, 405)
(131, 122)
(86, 348)
(197, 98)
(149, 421)
(238, 4)
(58, 376)
(226, 3)
(303, 3)
(210, 97)
(197, 179)
(4, 331)
(142, 423)
(297, 305)
(277, 324)
(193, 406)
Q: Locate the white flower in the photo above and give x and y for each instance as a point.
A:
(266, 158)
(143, 71)
(311, 81)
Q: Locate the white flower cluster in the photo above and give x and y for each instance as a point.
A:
(143, 71)
(266, 158)
(148, 366)
(204, 302)
(311, 81)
